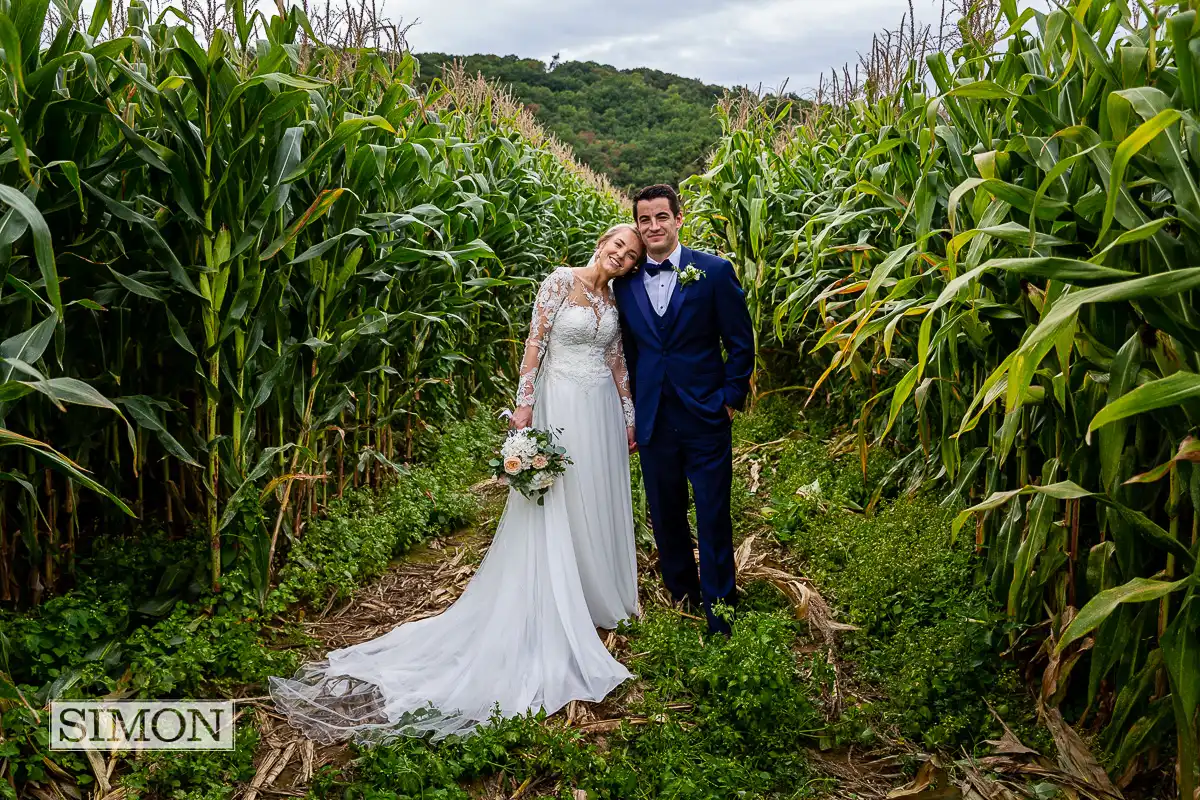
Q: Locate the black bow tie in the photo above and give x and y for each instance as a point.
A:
(654, 269)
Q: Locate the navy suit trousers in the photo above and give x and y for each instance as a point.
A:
(684, 448)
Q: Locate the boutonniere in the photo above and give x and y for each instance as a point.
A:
(690, 275)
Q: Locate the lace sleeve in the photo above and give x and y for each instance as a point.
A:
(550, 296)
(615, 356)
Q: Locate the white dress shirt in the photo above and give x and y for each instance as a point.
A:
(660, 287)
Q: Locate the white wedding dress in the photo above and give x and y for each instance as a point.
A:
(523, 634)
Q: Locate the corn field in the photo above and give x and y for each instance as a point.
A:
(243, 260)
(1001, 260)
(247, 267)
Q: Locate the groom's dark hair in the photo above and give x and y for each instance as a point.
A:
(653, 193)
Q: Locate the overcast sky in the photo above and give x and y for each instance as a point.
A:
(726, 42)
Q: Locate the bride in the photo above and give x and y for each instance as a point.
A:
(522, 636)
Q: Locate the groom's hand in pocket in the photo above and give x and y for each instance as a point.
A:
(731, 411)
(631, 437)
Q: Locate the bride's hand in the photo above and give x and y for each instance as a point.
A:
(631, 437)
(522, 418)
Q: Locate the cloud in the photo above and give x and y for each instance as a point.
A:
(725, 42)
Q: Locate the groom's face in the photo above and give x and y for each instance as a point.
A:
(658, 225)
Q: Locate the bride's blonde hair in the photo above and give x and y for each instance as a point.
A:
(610, 233)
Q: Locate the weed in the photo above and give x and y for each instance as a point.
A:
(203, 775)
(928, 635)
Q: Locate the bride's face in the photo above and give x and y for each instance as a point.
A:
(620, 254)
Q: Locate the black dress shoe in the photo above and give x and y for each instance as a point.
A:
(718, 625)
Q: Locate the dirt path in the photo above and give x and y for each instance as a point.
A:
(425, 582)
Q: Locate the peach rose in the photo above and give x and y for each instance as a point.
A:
(540, 461)
(512, 465)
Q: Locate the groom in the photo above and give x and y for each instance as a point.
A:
(677, 310)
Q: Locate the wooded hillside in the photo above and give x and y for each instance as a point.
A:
(638, 126)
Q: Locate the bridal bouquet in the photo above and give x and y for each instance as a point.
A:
(530, 462)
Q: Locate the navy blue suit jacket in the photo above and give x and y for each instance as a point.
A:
(702, 316)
